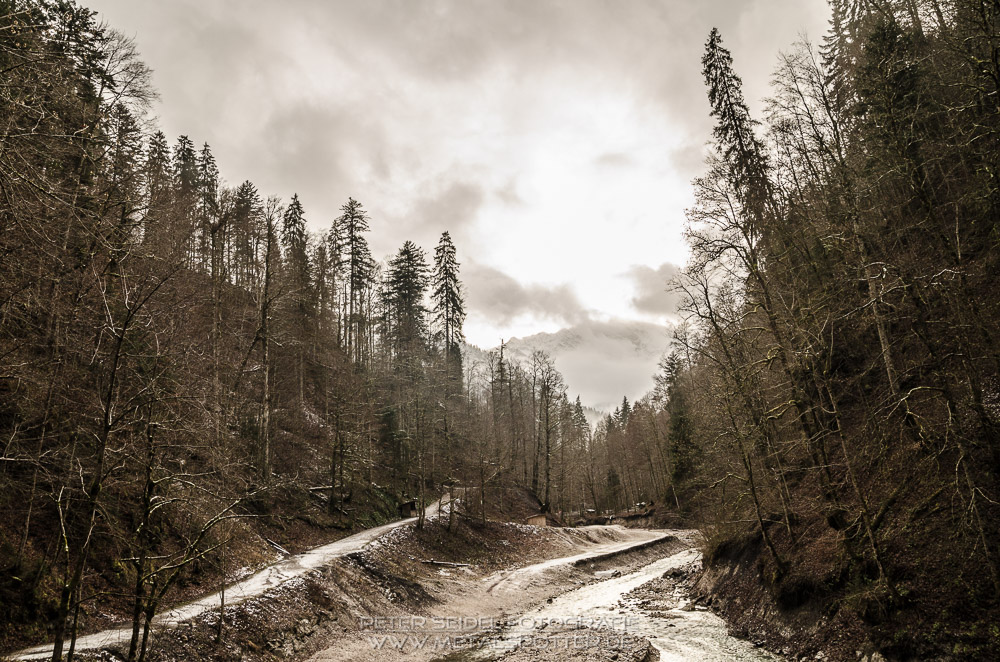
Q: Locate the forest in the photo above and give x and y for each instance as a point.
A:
(184, 362)
(833, 398)
(186, 368)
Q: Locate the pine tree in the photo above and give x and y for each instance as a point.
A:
(185, 171)
(356, 257)
(323, 288)
(123, 185)
(740, 149)
(407, 281)
(159, 191)
(680, 445)
(297, 276)
(329, 277)
(209, 219)
(293, 243)
(449, 303)
(580, 419)
(624, 413)
(247, 236)
(842, 43)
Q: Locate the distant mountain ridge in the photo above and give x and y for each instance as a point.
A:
(602, 361)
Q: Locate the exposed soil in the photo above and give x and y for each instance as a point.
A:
(291, 518)
(733, 584)
(483, 574)
(468, 606)
(434, 595)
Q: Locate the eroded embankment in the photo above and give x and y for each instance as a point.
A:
(333, 612)
(789, 619)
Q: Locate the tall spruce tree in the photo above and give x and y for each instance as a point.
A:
(246, 236)
(407, 280)
(738, 145)
(293, 243)
(209, 225)
(356, 257)
(185, 171)
(296, 272)
(159, 191)
(449, 302)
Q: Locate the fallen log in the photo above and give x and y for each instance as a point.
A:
(278, 547)
(445, 563)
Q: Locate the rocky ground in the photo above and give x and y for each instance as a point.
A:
(470, 606)
(435, 595)
(421, 595)
(570, 644)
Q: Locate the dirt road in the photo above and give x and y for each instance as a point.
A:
(251, 587)
(486, 591)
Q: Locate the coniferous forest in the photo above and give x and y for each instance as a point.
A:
(186, 369)
(183, 361)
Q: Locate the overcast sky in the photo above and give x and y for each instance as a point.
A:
(556, 140)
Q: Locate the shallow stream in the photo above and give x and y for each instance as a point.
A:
(681, 634)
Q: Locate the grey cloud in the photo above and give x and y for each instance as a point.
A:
(654, 46)
(306, 148)
(602, 360)
(614, 160)
(211, 58)
(602, 375)
(652, 292)
(649, 49)
(501, 298)
(509, 195)
(452, 209)
(689, 157)
(198, 59)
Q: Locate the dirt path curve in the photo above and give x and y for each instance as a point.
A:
(523, 578)
(253, 586)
